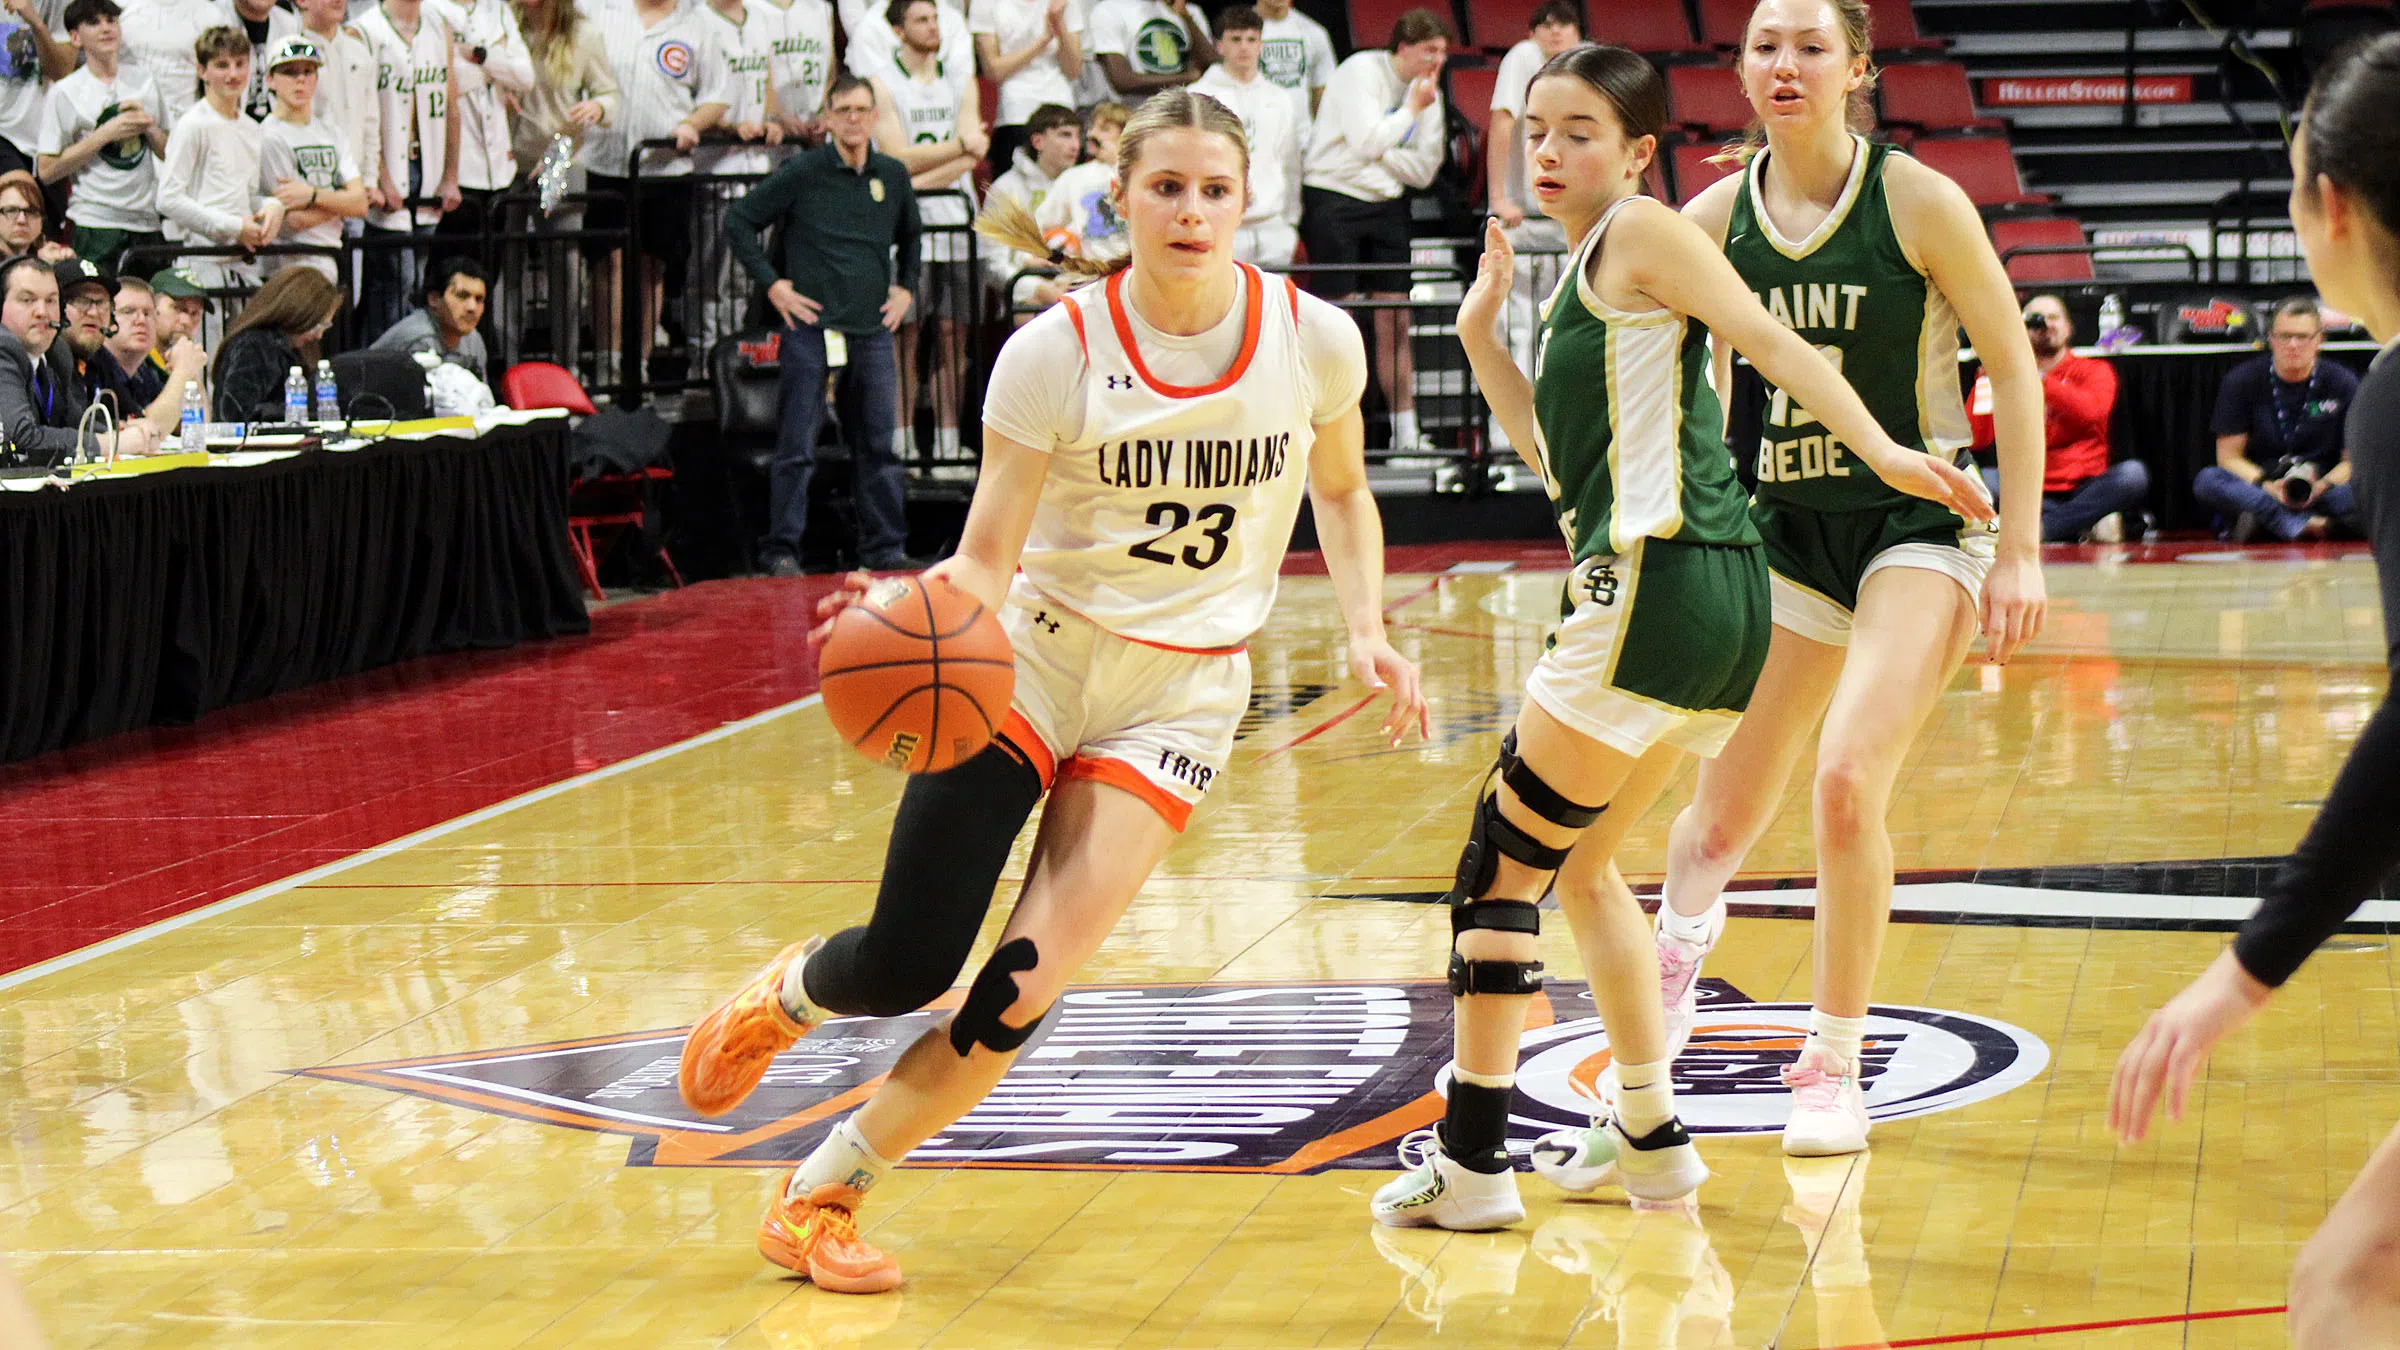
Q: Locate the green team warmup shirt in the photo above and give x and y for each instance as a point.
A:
(1851, 290)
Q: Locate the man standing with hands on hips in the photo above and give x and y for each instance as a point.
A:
(845, 209)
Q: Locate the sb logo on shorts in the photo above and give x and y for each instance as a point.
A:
(1600, 583)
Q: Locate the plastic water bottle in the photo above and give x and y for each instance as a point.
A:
(295, 396)
(195, 417)
(2112, 322)
(329, 394)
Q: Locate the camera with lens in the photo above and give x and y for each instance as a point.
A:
(2037, 324)
(2290, 480)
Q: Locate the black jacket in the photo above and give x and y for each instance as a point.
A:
(251, 368)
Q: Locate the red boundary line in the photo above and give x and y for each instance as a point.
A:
(2020, 1333)
(1320, 728)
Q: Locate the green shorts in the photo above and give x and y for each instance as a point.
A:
(1661, 643)
(1820, 559)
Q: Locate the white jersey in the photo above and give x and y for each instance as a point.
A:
(749, 51)
(928, 113)
(1168, 508)
(802, 59)
(1014, 24)
(664, 71)
(874, 44)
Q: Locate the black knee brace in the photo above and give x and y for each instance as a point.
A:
(978, 1022)
(1492, 837)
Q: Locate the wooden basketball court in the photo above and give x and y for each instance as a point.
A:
(412, 1096)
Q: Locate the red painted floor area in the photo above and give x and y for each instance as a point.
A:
(109, 836)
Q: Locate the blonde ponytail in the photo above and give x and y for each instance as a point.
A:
(1006, 222)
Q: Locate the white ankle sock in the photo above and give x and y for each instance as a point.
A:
(1644, 1096)
(1404, 430)
(1488, 1080)
(1700, 930)
(1839, 1035)
(845, 1158)
(797, 1005)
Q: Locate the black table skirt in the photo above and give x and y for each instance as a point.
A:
(158, 598)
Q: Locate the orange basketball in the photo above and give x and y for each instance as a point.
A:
(917, 675)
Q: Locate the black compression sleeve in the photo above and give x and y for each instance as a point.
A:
(2349, 849)
(949, 843)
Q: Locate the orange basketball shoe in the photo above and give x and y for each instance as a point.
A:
(729, 1051)
(817, 1235)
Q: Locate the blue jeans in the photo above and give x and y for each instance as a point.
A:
(2223, 491)
(2066, 516)
(867, 394)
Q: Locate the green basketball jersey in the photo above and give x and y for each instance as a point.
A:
(1628, 431)
(1852, 292)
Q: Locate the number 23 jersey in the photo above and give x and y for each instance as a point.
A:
(1177, 463)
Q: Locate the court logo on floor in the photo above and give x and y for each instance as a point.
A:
(1254, 1077)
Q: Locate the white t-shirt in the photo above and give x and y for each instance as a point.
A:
(803, 53)
(1013, 24)
(749, 50)
(1177, 469)
(1297, 54)
(1508, 96)
(318, 155)
(663, 72)
(1146, 33)
(209, 185)
(873, 43)
(159, 35)
(1275, 154)
(22, 93)
(117, 188)
(1077, 216)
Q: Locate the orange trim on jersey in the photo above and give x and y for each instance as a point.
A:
(1234, 650)
(1075, 317)
(1291, 290)
(1251, 308)
(1118, 774)
(1018, 734)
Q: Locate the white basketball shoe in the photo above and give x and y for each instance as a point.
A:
(1661, 1165)
(1829, 1107)
(1439, 1192)
(1679, 976)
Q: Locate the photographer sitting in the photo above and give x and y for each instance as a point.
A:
(2281, 469)
(2082, 493)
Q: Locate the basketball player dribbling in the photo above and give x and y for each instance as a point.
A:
(1878, 261)
(1665, 628)
(1146, 445)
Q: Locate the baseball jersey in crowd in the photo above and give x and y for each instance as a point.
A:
(487, 159)
(412, 83)
(264, 35)
(159, 35)
(1297, 54)
(1177, 463)
(1266, 113)
(209, 184)
(664, 71)
(318, 155)
(749, 48)
(2301, 418)
(118, 188)
(1146, 33)
(1014, 24)
(1509, 88)
(346, 98)
(1368, 144)
(21, 89)
(803, 54)
(1075, 215)
(873, 43)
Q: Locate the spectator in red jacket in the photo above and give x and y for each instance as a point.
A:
(2082, 493)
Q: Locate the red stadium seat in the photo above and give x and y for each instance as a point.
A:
(2038, 268)
(1693, 172)
(1471, 93)
(1497, 25)
(1984, 165)
(1896, 28)
(1646, 26)
(1707, 97)
(1722, 22)
(1931, 96)
(1372, 21)
(541, 384)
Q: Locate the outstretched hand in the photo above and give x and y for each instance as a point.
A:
(1375, 662)
(1480, 312)
(2167, 1054)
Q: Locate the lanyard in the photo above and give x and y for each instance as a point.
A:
(2283, 420)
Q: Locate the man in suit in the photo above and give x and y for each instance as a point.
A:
(40, 403)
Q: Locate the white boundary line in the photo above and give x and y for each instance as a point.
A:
(476, 817)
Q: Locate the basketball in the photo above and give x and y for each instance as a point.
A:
(917, 675)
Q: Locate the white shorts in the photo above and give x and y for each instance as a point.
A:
(1158, 722)
(1819, 618)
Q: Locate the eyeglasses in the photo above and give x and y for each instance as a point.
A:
(20, 212)
(2294, 337)
(89, 303)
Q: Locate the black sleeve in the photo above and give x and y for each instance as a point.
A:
(248, 377)
(2232, 417)
(2352, 844)
(760, 207)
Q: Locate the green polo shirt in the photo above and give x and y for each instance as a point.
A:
(841, 229)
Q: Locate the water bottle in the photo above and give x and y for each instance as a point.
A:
(195, 417)
(2112, 322)
(329, 394)
(295, 396)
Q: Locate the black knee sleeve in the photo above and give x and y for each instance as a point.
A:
(949, 843)
(977, 1022)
